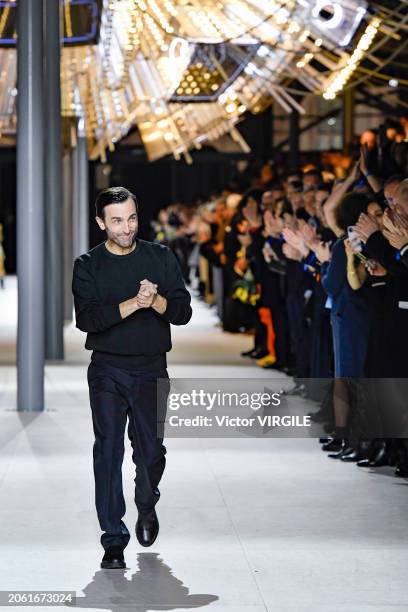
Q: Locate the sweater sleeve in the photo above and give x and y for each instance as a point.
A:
(333, 273)
(178, 310)
(90, 314)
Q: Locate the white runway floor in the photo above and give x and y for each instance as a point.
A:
(246, 525)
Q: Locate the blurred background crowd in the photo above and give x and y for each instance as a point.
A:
(312, 264)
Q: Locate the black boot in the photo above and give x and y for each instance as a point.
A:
(113, 558)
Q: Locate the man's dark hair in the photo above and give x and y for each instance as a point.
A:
(290, 176)
(325, 187)
(394, 124)
(395, 178)
(113, 195)
(297, 186)
(255, 194)
(314, 172)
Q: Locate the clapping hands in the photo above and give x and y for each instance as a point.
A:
(291, 252)
(365, 226)
(309, 236)
(295, 240)
(147, 294)
(395, 228)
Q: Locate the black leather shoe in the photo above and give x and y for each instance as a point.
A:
(362, 451)
(379, 459)
(258, 354)
(147, 528)
(274, 366)
(355, 456)
(401, 471)
(113, 558)
(343, 452)
(334, 445)
(248, 353)
(325, 439)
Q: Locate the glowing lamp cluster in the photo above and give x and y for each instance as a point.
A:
(339, 79)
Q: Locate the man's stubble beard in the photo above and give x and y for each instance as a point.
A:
(122, 242)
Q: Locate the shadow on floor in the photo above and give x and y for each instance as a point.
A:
(151, 587)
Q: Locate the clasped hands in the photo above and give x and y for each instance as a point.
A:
(147, 294)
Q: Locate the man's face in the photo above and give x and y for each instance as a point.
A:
(310, 180)
(309, 201)
(389, 192)
(368, 138)
(220, 209)
(321, 197)
(391, 133)
(268, 201)
(277, 193)
(401, 197)
(296, 199)
(120, 223)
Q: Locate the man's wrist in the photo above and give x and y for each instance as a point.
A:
(159, 303)
(127, 307)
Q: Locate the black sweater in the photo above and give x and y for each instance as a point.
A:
(101, 280)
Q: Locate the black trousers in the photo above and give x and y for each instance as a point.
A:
(118, 396)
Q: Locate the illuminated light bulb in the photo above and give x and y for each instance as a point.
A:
(242, 108)
(168, 136)
(214, 86)
(318, 42)
(230, 108)
(393, 83)
(162, 123)
(263, 51)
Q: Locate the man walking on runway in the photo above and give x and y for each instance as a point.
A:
(127, 291)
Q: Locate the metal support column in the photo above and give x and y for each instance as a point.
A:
(30, 209)
(348, 119)
(81, 197)
(68, 259)
(294, 134)
(54, 269)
